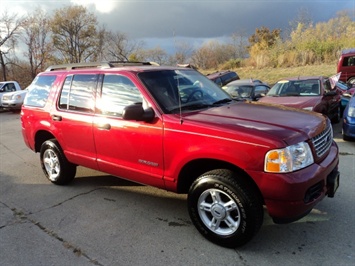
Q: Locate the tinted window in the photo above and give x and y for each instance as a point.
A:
(78, 93)
(117, 93)
(38, 91)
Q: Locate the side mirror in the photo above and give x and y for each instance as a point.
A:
(136, 112)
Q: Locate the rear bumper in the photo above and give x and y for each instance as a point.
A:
(289, 197)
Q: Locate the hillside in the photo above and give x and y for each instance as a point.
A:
(271, 75)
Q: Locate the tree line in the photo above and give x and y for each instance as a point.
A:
(28, 45)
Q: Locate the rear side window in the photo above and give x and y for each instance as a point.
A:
(349, 61)
(39, 90)
(78, 93)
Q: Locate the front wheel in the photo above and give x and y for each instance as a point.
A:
(54, 163)
(224, 209)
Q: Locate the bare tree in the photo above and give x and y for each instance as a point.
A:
(183, 52)
(36, 37)
(120, 48)
(10, 29)
(75, 34)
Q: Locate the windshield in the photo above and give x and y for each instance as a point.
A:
(239, 91)
(309, 87)
(183, 89)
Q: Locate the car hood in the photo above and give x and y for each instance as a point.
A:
(22, 92)
(300, 102)
(261, 122)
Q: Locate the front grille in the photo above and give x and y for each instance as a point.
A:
(323, 141)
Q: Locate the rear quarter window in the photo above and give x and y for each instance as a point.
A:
(39, 90)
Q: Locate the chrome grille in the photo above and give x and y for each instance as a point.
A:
(323, 141)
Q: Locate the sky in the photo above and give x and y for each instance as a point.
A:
(164, 22)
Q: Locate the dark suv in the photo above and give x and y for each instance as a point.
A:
(154, 126)
(221, 78)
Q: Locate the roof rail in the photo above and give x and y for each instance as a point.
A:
(108, 64)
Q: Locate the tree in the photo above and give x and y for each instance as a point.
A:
(183, 51)
(120, 48)
(264, 38)
(36, 37)
(75, 34)
(10, 29)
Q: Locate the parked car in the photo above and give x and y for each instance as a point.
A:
(13, 100)
(221, 78)
(348, 129)
(8, 86)
(143, 124)
(347, 91)
(312, 93)
(346, 66)
(246, 89)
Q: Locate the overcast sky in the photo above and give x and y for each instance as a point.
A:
(160, 22)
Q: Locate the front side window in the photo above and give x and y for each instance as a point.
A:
(38, 91)
(78, 93)
(117, 92)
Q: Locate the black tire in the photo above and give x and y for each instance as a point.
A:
(224, 209)
(337, 117)
(54, 163)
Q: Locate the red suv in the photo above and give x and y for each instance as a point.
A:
(155, 126)
(346, 66)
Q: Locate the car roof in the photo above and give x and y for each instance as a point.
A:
(303, 78)
(218, 73)
(246, 82)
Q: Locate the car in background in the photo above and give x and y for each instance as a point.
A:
(13, 100)
(346, 66)
(221, 78)
(246, 89)
(313, 93)
(348, 129)
(347, 91)
(8, 86)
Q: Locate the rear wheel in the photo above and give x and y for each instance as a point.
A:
(54, 164)
(224, 209)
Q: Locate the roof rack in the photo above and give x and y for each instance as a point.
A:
(108, 64)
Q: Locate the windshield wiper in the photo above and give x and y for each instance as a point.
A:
(225, 100)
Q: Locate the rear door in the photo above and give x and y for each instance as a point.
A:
(128, 149)
(73, 119)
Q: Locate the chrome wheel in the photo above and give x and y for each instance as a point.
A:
(219, 212)
(51, 164)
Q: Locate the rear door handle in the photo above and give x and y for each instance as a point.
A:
(56, 118)
(105, 126)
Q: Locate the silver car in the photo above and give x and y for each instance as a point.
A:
(13, 100)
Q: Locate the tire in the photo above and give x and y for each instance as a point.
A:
(337, 117)
(224, 209)
(351, 80)
(54, 163)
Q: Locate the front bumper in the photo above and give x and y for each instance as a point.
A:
(289, 197)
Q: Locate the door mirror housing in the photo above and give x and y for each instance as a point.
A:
(136, 112)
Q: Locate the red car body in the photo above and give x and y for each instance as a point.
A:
(172, 149)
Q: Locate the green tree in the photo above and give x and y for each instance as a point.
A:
(75, 34)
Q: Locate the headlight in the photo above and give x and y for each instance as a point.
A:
(310, 108)
(351, 111)
(289, 159)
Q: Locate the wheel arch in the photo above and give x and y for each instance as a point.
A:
(192, 170)
(42, 136)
